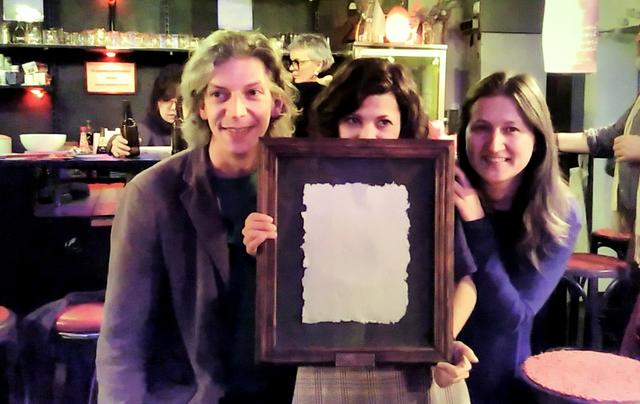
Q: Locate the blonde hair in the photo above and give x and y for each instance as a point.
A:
(217, 48)
(542, 198)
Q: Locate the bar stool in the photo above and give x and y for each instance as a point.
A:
(585, 269)
(618, 241)
(576, 377)
(8, 356)
(79, 324)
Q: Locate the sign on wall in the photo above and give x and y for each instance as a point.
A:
(570, 36)
(111, 77)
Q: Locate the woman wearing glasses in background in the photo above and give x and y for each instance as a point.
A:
(155, 127)
(310, 56)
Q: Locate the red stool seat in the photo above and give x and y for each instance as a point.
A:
(583, 377)
(80, 318)
(616, 240)
(594, 265)
(4, 314)
(612, 234)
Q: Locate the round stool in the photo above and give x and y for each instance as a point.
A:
(618, 241)
(8, 356)
(82, 322)
(567, 376)
(585, 269)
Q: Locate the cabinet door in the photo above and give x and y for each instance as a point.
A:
(428, 65)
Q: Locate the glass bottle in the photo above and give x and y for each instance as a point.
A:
(130, 130)
(89, 132)
(20, 32)
(177, 140)
(364, 30)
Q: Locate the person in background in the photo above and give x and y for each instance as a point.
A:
(179, 310)
(519, 220)
(155, 128)
(310, 55)
(622, 141)
(375, 99)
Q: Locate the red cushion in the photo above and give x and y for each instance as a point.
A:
(80, 318)
(612, 234)
(595, 262)
(587, 375)
(4, 314)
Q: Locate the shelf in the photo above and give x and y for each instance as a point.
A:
(91, 48)
(20, 87)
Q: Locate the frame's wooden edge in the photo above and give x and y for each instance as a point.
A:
(408, 355)
(443, 244)
(265, 302)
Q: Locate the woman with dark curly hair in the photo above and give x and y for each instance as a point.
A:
(377, 99)
(353, 85)
(155, 128)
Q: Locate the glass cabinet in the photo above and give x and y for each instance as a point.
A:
(426, 62)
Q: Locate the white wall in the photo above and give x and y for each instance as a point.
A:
(515, 53)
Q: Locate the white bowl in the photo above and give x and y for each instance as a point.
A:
(36, 142)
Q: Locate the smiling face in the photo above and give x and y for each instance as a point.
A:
(499, 143)
(238, 106)
(377, 118)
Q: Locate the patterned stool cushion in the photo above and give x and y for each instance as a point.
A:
(80, 318)
(586, 376)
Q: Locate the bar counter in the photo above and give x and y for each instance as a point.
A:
(89, 161)
(53, 247)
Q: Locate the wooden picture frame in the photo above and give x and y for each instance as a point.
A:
(424, 334)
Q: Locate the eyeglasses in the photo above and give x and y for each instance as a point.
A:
(295, 63)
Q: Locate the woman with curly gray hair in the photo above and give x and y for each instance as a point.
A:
(180, 301)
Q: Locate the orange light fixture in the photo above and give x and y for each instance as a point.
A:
(397, 27)
(38, 92)
(110, 54)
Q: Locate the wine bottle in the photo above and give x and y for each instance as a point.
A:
(130, 130)
(177, 140)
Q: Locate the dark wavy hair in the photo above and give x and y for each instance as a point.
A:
(356, 81)
(542, 199)
(166, 86)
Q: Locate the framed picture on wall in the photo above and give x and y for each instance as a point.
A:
(361, 270)
(110, 77)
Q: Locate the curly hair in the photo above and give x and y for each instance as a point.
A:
(356, 81)
(316, 46)
(216, 49)
(542, 198)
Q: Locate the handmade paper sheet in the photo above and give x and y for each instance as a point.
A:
(356, 253)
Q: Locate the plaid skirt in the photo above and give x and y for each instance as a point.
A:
(330, 385)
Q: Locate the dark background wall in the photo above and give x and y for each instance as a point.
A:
(67, 105)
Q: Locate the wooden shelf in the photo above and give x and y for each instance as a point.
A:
(89, 48)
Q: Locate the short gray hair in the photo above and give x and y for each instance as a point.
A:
(217, 48)
(317, 46)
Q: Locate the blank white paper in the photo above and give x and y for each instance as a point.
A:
(356, 253)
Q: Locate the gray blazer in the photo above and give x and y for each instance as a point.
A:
(163, 324)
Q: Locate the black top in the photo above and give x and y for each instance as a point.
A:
(308, 92)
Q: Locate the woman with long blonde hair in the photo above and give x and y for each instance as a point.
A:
(519, 221)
